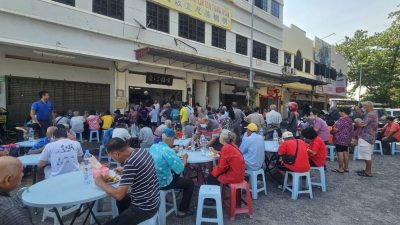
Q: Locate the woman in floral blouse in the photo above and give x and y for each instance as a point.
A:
(342, 134)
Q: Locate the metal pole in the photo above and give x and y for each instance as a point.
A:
(359, 86)
(251, 46)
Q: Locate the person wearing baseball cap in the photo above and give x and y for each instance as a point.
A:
(169, 166)
(252, 148)
(289, 147)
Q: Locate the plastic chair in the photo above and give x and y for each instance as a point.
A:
(355, 153)
(393, 147)
(379, 149)
(162, 212)
(102, 154)
(80, 139)
(322, 182)
(91, 138)
(254, 184)
(297, 186)
(99, 205)
(331, 150)
(151, 221)
(232, 208)
(50, 214)
(209, 192)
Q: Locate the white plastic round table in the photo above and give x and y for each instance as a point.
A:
(63, 190)
(29, 160)
(197, 157)
(184, 142)
(271, 146)
(26, 144)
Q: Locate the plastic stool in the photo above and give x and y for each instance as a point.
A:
(151, 221)
(253, 182)
(162, 212)
(101, 153)
(393, 147)
(94, 138)
(331, 150)
(99, 204)
(297, 187)
(232, 208)
(80, 139)
(380, 149)
(209, 192)
(322, 182)
(355, 153)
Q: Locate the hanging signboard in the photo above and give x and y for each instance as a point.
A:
(157, 78)
(206, 10)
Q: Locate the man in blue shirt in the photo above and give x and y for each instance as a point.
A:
(252, 148)
(167, 161)
(41, 112)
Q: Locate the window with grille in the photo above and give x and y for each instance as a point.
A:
(262, 4)
(218, 37)
(275, 6)
(241, 45)
(157, 17)
(191, 28)
(273, 55)
(111, 8)
(298, 61)
(287, 59)
(259, 50)
(308, 66)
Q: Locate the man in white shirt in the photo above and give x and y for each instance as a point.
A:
(77, 123)
(273, 120)
(63, 155)
(146, 137)
(121, 132)
(273, 117)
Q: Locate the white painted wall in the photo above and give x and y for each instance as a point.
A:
(201, 90)
(295, 39)
(213, 93)
(22, 68)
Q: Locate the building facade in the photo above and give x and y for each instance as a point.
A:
(99, 55)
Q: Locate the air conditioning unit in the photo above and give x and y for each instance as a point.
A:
(293, 71)
(329, 80)
(287, 70)
(318, 77)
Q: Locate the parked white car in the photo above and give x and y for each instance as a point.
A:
(393, 112)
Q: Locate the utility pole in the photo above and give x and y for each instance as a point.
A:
(251, 74)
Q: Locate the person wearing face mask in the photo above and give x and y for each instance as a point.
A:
(319, 125)
(39, 146)
(12, 211)
(211, 131)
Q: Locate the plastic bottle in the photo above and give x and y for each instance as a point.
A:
(203, 142)
(193, 144)
(87, 170)
(31, 134)
(275, 136)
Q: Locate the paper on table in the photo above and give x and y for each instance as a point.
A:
(94, 162)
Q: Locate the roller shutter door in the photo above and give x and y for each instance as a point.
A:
(22, 92)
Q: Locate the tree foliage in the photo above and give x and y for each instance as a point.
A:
(379, 57)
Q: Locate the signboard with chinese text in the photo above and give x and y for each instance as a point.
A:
(156, 78)
(206, 10)
(340, 84)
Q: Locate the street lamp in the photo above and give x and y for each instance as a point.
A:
(251, 75)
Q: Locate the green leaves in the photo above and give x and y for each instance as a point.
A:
(378, 55)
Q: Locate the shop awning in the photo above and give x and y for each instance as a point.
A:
(303, 80)
(204, 64)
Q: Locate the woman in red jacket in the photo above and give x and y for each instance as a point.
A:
(316, 148)
(231, 165)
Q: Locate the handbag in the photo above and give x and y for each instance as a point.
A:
(291, 159)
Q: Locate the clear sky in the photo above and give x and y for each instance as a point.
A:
(323, 17)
